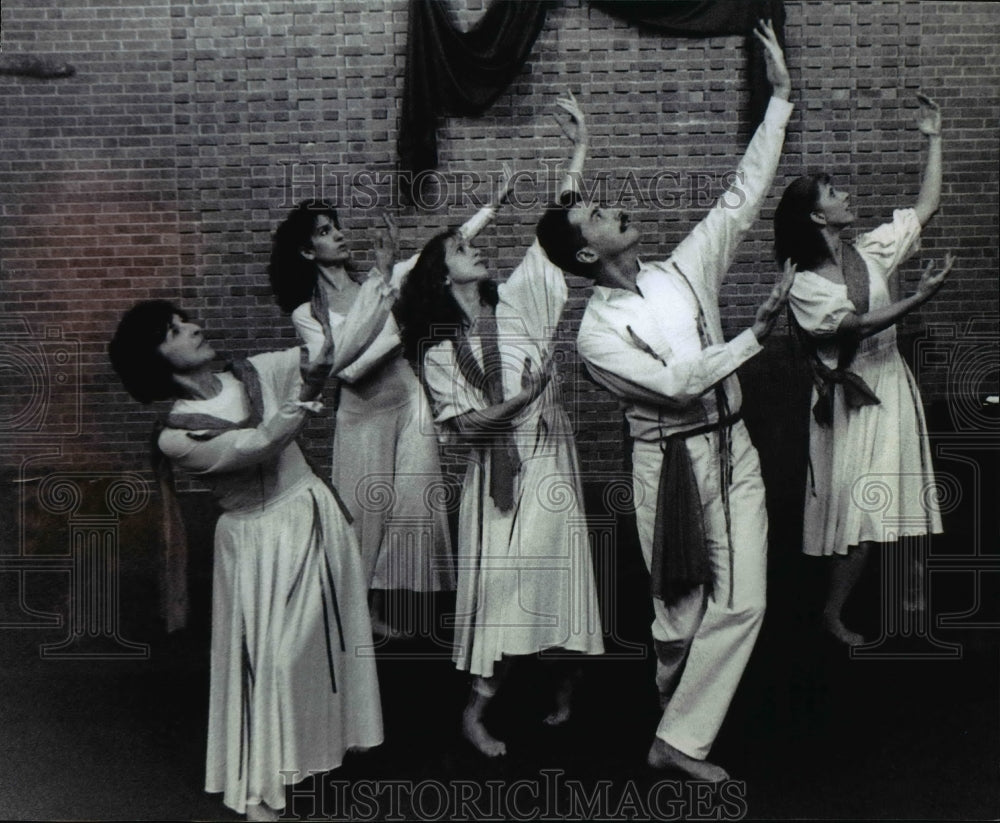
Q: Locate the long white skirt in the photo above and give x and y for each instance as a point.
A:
(293, 680)
(525, 577)
(388, 472)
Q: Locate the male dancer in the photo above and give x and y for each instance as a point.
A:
(651, 334)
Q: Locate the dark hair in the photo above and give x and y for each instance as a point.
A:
(134, 350)
(796, 236)
(292, 276)
(427, 311)
(561, 240)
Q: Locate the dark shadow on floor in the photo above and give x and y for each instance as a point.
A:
(811, 734)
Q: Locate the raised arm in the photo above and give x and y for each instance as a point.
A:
(482, 218)
(576, 132)
(858, 326)
(708, 251)
(929, 124)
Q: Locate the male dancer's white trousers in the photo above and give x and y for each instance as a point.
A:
(702, 643)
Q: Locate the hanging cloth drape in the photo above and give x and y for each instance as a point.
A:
(710, 18)
(460, 73)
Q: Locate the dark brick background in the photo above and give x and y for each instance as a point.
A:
(163, 165)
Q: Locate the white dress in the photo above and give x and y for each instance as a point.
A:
(525, 577)
(870, 472)
(293, 679)
(386, 465)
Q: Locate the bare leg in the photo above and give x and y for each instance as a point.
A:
(261, 811)
(915, 588)
(564, 697)
(664, 756)
(844, 575)
(473, 728)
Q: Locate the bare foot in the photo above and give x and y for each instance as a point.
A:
(557, 717)
(564, 700)
(842, 633)
(382, 630)
(261, 811)
(664, 756)
(475, 732)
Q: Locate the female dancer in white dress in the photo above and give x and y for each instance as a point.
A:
(385, 454)
(867, 430)
(289, 693)
(525, 577)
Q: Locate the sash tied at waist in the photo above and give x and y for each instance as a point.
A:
(681, 559)
(857, 392)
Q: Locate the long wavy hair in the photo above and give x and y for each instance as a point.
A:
(293, 277)
(796, 236)
(427, 311)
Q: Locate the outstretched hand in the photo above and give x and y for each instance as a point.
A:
(505, 184)
(767, 313)
(931, 281)
(929, 119)
(386, 246)
(774, 58)
(576, 129)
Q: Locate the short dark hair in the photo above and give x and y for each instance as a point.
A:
(797, 237)
(292, 276)
(134, 350)
(427, 311)
(561, 240)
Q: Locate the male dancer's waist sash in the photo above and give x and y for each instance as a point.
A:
(680, 556)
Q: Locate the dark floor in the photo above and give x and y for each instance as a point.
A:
(912, 733)
(813, 734)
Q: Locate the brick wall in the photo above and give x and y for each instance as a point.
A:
(162, 166)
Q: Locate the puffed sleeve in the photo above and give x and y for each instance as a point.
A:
(891, 244)
(535, 292)
(819, 306)
(450, 393)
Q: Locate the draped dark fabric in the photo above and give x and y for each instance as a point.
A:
(857, 392)
(681, 558)
(460, 73)
(709, 18)
(505, 462)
